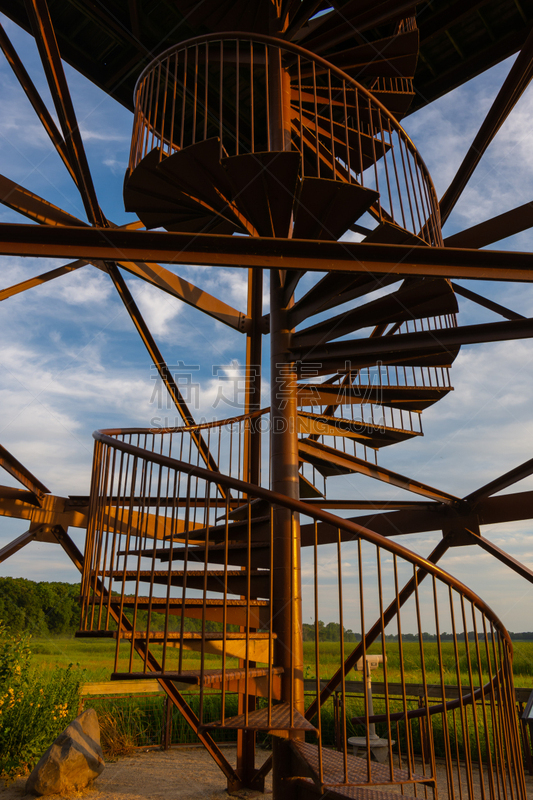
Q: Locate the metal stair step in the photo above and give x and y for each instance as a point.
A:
(208, 677)
(389, 233)
(401, 45)
(373, 435)
(252, 646)
(264, 187)
(409, 398)
(419, 299)
(237, 554)
(252, 613)
(325, 209)
(214, 580)
(197, 172)
(278, 723)
(357, 770)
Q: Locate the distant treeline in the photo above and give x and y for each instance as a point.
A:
(51, 608)
(42, 609)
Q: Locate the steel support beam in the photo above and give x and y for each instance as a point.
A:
(17, 544)
(513, 476)
(486, 303)
(362, 467)
(427, 518)
(511, 91)
(159, 361)
(35, 99)
(504, 557)
(43, 278)
(21, 474)
(414, 345)
(495, 229)
(241, 251)
(51, 60)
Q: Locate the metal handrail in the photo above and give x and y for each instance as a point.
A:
(299, 506)
(156, 107)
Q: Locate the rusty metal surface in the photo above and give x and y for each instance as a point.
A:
(216, 250)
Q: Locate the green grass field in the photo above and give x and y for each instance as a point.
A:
(96, 656)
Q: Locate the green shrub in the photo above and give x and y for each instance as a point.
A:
(34, 706)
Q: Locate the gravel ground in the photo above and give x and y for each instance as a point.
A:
(179, 774)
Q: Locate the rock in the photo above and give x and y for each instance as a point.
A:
(73, 760)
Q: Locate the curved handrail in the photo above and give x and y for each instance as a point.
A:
(202, 426)
(298, 51)
(299, 506)
(438, 708)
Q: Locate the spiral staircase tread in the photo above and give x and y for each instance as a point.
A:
(196, 677)
(412, 398)
(257, 177)
(325, 209)
(422, 299)
(279, 719)
(389, 233)
(357, 769)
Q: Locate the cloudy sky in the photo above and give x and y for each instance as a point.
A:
(71, 361)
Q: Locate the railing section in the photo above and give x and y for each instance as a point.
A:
(179, 561)
(221, 87)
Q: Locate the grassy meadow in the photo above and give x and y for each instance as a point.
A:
(96, 657)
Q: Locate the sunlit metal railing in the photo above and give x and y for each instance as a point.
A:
(150, 565)
(222, 86)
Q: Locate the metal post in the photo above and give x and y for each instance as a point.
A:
(287, 599)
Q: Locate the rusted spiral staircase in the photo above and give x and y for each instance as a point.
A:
(293, 136)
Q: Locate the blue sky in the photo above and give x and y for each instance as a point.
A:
(71, 361)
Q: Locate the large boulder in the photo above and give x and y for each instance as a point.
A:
(74, 759)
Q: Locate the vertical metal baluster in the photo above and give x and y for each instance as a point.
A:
(317, 655)
(248, 591)
(398, 185)
(385, 667)
(252, 109)
(206, 95)
(331, 129)
(444, 719)
(341, 623)
(221, 99)
(156, 107)
(174, 95)
(225, 608)
(472, 690)
(237, 95)
(316, 122)
(300, 114)
(385, 163)
(424, 684)
(408, 742)
(484, 710)
(164, 111)
(173, 531)
(267, 96)
(464, 720)
(207, 527)
(195, 95)
(363, 642)
(403, 157)
(185, 564)
(347, 132)
(184, 96)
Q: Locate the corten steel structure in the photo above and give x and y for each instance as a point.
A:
(286, 130)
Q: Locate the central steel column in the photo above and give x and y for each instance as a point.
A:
(287, 596)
